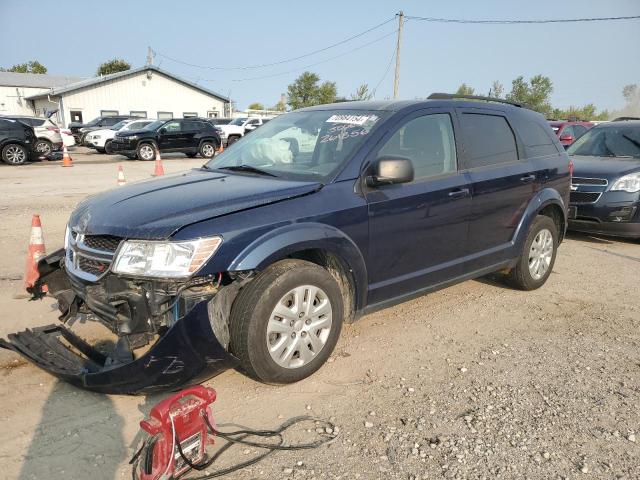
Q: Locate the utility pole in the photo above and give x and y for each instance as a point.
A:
(396, 80)
(149, 56)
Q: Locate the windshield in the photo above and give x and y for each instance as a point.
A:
(93, 122)
(609, 141)
(155, 125)
(137, 125)
(238, 121)
(310, 146)
(119, 125)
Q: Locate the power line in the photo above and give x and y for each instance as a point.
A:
(280, 62)
(317, 63)
(519, 22)
(386, 72)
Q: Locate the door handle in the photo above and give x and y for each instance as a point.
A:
(528, 178)
(459, 193)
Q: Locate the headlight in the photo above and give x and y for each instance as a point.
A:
(131, 137)
(95, 137)
(164, 259)
(629, 183)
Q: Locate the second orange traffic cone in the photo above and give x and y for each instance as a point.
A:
(35, 253)
(66, 159)
(159, 170)
(121, 179)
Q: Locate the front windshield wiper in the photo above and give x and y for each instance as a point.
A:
(247, 168)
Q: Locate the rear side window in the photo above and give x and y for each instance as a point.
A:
(538, 139)
(488, 139)
(428, 142)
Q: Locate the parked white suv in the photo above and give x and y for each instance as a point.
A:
(101, 139)
(238, 127)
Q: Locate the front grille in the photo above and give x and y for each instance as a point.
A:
(584, 197)
(105, 243)
(89, 257)
(94, 267)
(589, 181)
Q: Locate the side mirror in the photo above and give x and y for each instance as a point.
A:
(162, 131)
(566, 138)
(390, 170)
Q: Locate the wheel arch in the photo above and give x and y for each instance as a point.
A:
(317, 243)
(214, 140)
(546, 202)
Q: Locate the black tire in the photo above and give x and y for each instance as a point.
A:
(15, 154)
(108, 149)
(100, 150)
(251, 312)
(43, 147)
(520, 276)
(142, 151)
(207, 149)
(232, 140)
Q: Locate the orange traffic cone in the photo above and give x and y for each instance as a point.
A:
(35, 253)
(159, 170)
(66, 159)
(121, 179)
(221, 148)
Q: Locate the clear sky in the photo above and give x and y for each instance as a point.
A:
(587, 62)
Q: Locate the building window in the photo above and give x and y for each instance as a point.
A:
(76, 116)
(165, 115)
(189, 114)
(108, 113)
(212, 114)
(138, 113)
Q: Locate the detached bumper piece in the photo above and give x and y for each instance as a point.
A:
(188, 352)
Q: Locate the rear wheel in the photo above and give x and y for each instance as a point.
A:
(43, 147)
(15, 154)
(538, 255)
(146, 151)
(207, 149)
(285, 323)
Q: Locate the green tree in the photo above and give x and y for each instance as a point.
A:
(33, 66)
(496, 90)
(113, 66)
(465, 89)
(305, 91)
(362, 93)
(256, 106)
(535, 94)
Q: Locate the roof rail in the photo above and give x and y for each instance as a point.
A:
(624, 119)
(453, 96)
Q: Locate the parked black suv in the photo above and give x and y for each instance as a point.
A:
(17, 141)
(79, 130)
(315, 219)
(191, 136)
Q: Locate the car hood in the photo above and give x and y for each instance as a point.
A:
(155, 209)
(603, 167)
(103, 131)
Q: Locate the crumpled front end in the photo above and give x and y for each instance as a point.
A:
(168, 334)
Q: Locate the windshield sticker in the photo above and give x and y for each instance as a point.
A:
(352, 119)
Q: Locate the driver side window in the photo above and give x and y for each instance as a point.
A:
(429, 143)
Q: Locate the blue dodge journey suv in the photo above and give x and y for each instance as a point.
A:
(324, 214)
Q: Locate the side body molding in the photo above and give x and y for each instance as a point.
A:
(296, 237)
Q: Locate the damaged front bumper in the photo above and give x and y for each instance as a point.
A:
(188, 351)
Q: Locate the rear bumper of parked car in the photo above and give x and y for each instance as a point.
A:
(611, 214)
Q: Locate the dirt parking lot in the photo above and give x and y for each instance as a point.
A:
(476, 381)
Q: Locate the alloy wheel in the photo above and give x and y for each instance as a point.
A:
(147, 152)
(540, 254)
(299, 326)
(15, 154)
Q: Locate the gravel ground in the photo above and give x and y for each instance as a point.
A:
(475, 381)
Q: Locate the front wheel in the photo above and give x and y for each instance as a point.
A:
(285, 323)
(538, 255)
(108, 148)
(15, 154)
(146, 151)
(232, 140)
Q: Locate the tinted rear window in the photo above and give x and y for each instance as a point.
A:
(488, 139)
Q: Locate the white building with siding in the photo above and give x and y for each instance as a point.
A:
(145, 92)
(16, 88)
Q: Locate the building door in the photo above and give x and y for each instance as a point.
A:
(76, 116)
